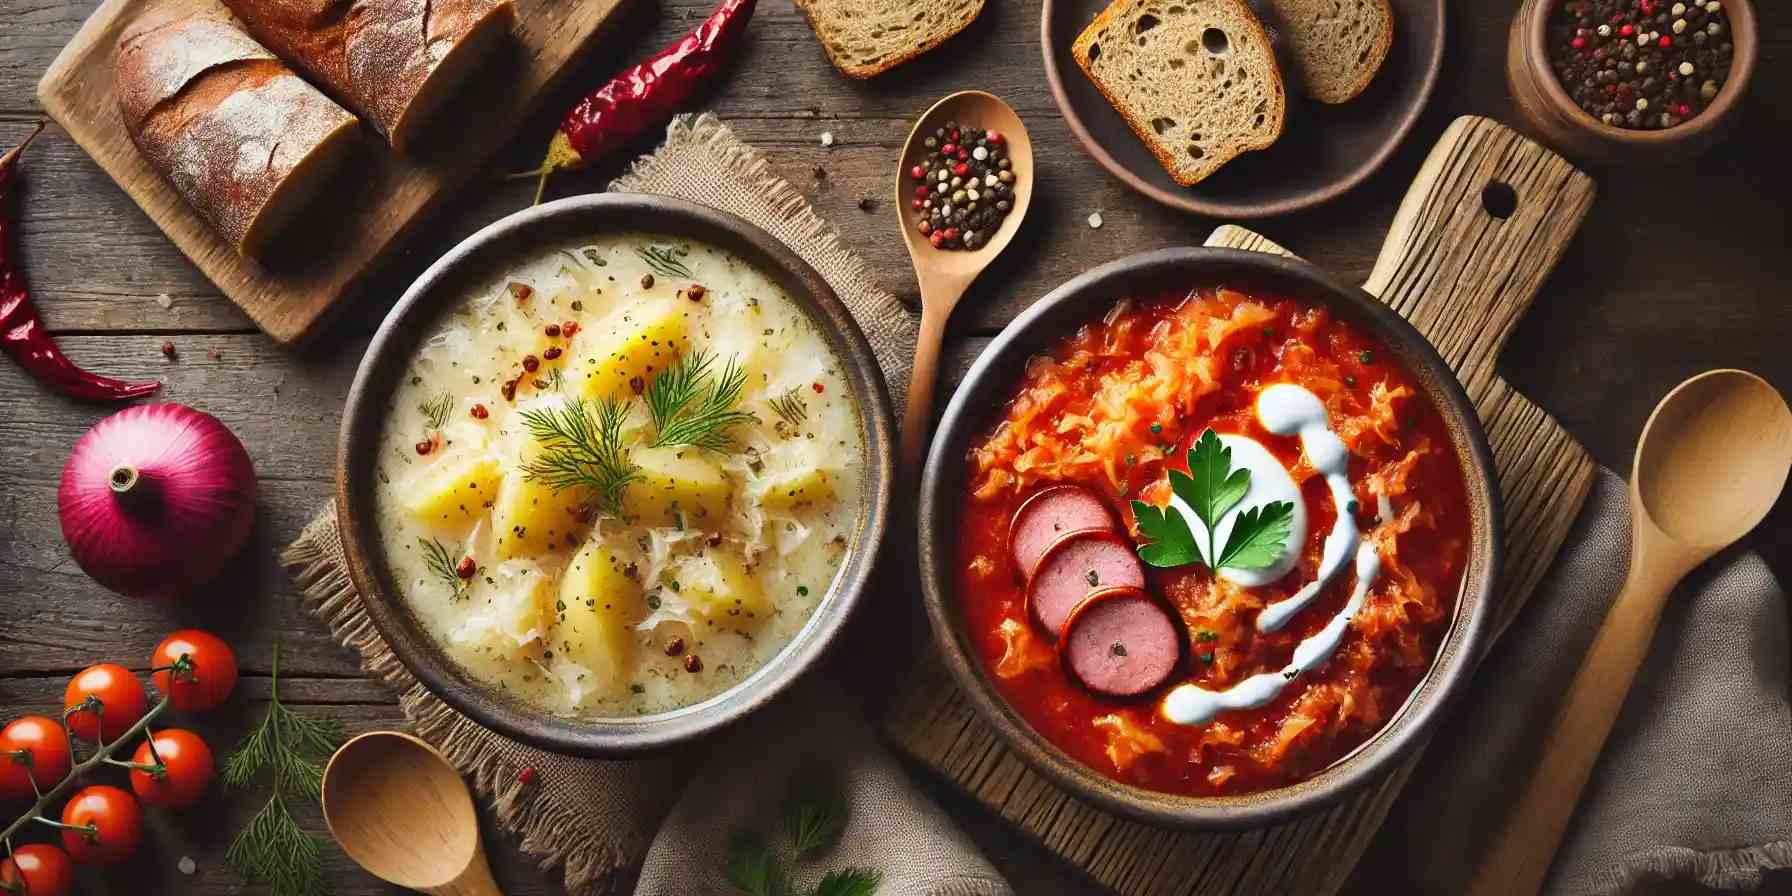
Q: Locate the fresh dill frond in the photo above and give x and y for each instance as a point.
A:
(557, 380)
(273, 850)
(792, 407)
(582, 448)
(690, 405)
(436, 410)
(813, 825)
(664, 260)
(750, 868)
(849, 882)
(443, 566)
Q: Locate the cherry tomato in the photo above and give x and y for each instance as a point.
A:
(111, 822)
(117, 690)
(37, 869)
(32, 747)
(186, 770)
(213, 673)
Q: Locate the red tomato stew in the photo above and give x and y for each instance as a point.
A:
(1229, 706)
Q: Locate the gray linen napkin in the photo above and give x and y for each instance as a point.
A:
(1695, 784)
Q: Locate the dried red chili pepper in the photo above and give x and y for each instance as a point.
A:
(22, 334)
(644, 95)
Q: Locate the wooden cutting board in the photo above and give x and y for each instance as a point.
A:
(375, 203)
(1463, 276)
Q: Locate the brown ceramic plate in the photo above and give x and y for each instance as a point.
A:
(1323, 152)
(492, 248)
(986, 390)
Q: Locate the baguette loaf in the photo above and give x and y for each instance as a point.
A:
(1197, 80)
(245, 141)
(868, 37)
(393, 62)
(1336, 46)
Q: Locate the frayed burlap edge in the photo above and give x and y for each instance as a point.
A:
(319, 568)
(1742, 869)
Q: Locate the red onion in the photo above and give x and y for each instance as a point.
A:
(156, 499)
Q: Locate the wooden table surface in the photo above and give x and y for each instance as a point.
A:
(1677, 270)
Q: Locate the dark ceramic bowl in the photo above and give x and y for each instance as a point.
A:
(988, 387)
(1553, 114)
(489, 250)
(1323, 152)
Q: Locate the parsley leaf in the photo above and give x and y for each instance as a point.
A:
(1211, 489)
(1258, 535)
(1172, 544)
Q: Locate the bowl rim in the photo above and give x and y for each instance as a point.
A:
(1184, 198)
(966, 416)
(387, 355)
(1745, 43)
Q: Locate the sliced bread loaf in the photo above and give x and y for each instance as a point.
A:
(1196, 79)
(1335, 46)
(241, 138)
(868, 37)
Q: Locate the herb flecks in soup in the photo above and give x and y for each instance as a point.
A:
(619, 478)
(1250, 434)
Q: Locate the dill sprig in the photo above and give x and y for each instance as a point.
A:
(436, 410)
(849, 882)
(664, 261)
(583, 449)
(812, 825)
(273, 850)
(791, 407)
(751, 868)
(443, 566)
(692, 406)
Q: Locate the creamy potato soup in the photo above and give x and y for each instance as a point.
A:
(619, 478)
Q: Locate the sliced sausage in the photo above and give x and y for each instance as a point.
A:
(1049, 515)
(1120, 643)
(1075, 565)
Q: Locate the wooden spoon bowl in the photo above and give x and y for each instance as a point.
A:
(401, 811)
(945, 274)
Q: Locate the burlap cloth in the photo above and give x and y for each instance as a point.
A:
(1695, 784)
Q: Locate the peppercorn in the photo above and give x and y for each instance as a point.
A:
(646, 281)
(552, 352)
(693, 664)
(1633, 63)
(959, 188)
(466, 568)
(479, 412)
(675, 647)
(697, 292)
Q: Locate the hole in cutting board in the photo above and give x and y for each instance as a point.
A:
(1499, 199)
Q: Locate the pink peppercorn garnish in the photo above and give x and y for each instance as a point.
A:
(479, 412)
(425, 447)
(552, 330)
(819, 388)
(570, 328)
(526, 777)
(553, 351)
(530, 363)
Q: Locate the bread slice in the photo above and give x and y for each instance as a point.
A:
(1196, 79)
(868, 37)
(394, 62)
(1335, 46)
(241, 137)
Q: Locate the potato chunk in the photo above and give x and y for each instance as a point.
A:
(598, 608)
(718, 586)
(637, 347)
(784, 494)
(452, 492)
(530, 518)
(678, 487)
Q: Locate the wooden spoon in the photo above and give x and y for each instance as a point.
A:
(403, 813)
(1712, 461)
(944, 275)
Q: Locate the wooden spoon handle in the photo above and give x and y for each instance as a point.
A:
(1522, 852)
(917, 420)
(474, 880)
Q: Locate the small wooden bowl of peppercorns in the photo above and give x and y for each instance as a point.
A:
(1631, 82)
